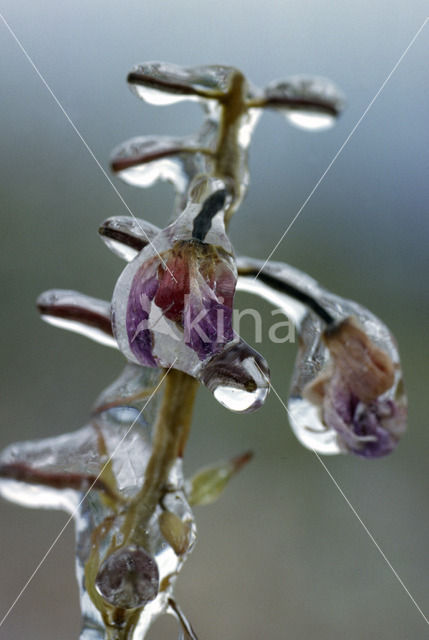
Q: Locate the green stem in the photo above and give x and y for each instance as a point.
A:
(169, 439)
(229, 156)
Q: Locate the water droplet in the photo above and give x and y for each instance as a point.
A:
(311, 120)
(146, 175)
(240, 400)
(128, 578)
(238, 377)
(160, 98)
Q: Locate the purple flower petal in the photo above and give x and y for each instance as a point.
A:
(143, 290)
(362, 428)
(208, 325)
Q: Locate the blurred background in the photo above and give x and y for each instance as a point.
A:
(281, 555)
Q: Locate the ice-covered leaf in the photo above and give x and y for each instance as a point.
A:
(127, 236)
(311, 103)
(163, 83)
(77, 312)
(143, 160)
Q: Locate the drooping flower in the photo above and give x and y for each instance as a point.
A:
(353, 392)
(192, 286)
(347, 393)
(179, 287)
(172, 305)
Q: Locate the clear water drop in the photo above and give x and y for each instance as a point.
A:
(310, 120)
(238, 377)
(160, 98)
(128, 578)
(240, 400)
(145, 175)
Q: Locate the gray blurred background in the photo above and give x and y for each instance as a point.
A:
(281, 555)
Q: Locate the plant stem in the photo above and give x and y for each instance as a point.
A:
(169, 439)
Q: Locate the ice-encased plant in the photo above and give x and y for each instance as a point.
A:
(121, 476)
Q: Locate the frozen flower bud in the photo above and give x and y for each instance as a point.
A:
(175, 531)
(128, 578)
(366, 369)
(172, 305)
(357, 392)
(347, 393)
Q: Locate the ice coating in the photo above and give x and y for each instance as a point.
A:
(347, 392)
(311, 103)
(126, 236)
(232, 106)
(77, 312)
(218, 148)
(143, 160)
(359, 391)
